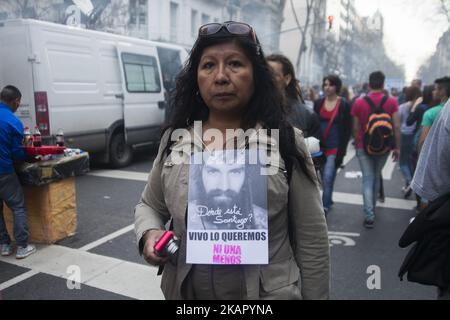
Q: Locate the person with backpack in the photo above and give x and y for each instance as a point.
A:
(376, 128)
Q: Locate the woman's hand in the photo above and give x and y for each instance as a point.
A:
(150, 238)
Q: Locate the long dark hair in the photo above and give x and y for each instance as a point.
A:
(293, 90)
(427, 96)
(412, 93)
(335, 81)
(265, 107)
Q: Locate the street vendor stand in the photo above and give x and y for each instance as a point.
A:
(50, 196)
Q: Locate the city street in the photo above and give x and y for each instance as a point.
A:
(103, 254)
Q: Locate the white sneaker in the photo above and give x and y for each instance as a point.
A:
(6, 250)
(23, 252)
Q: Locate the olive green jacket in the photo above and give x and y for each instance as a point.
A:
(300, 261)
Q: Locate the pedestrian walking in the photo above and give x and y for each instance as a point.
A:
(442, 93)
(335, 119)
(407, 137)
(428, 101)
(227, 84)
(372, 161)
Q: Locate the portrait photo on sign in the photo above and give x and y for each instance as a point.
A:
(227, 209)
(226, 192)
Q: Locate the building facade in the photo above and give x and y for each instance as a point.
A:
(352, 47)
(303, 38)
(438, 65)
(178, 21)
(175, 21)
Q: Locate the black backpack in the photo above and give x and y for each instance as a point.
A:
(379, 132)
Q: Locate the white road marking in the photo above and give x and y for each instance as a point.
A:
(338, 197)
(114, 275)
(16, 280)
(345, 234)
(353, 174)
(342, 238)
(357, 199)
(388, 169)
(109, 274)
(107, 238)
(118, 174)
(351, 152)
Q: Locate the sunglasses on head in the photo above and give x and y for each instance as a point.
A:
(234, 28)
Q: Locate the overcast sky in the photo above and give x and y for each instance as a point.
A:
(412, 29)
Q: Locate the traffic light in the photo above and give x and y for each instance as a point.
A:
(330, 22)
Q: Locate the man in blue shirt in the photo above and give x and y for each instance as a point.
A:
(11, 136)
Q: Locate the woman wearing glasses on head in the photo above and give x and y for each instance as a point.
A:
(227, 84)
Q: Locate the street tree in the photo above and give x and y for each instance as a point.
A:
(31, 9)
(110, 15)
(303, 28)
(444, 8)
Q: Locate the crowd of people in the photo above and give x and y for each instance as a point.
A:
(228, 84)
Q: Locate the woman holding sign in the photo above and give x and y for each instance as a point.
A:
(235, 183)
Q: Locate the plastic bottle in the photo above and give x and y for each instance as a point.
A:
(60, 138)
(27, 141)
(37, 138)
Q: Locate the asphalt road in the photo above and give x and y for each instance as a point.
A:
(103, 255)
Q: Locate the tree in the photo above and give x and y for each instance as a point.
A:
(444, 8)
(109, 15)
(30, 9)
(303, 28)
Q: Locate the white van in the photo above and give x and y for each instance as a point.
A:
(106, 92)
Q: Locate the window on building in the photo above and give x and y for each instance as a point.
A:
(141, 73)
(205, 19)
(173, 21)
(194, 26)
(142, 19)
(138, 13)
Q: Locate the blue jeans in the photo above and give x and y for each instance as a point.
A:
(371, 167)
(11, 192)
(406, 153)
(328, 177)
